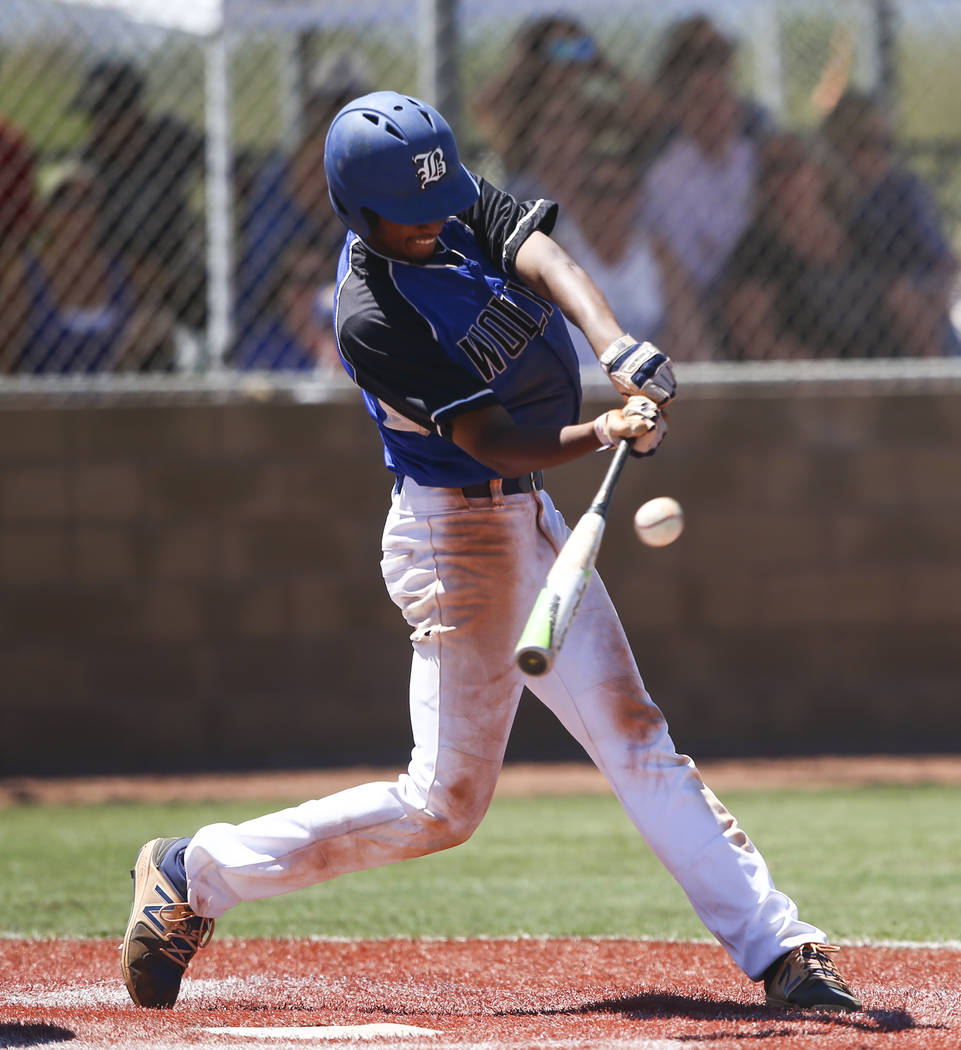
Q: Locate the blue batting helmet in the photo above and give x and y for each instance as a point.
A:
(396, 156)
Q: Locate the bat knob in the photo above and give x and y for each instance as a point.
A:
(533, 660)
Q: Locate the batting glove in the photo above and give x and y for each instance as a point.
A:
(646, 444)
(639, 368)
(641, 406)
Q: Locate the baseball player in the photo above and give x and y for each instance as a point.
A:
(450, 317)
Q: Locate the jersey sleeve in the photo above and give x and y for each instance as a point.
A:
(393, 355)
(501, 224)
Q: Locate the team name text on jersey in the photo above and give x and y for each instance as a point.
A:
(501, 330)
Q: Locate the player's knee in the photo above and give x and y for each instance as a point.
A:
(448, 805)
(445, 832)
(447, 823)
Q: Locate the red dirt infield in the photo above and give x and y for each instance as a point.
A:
(526, 994)
(487, 994)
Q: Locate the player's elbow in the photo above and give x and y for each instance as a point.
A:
(491, 437)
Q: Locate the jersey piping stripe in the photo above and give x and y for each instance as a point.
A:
(340, 288)
(461, 401)
(400, 292)
(354, 241)
(518, 229)
(443, 265)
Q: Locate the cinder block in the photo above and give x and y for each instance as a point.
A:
(143, 432)
(727, 600)
(317, 610)
(35, 556)
(105, 490)
(176, 550)
(921, 423)
(213, 488)
(75, 614)
(32, 435)
(932, 595)
(36, 492)
(106, 554)
(902, 537)
(276, 429)
(819, 595)
(174, 613)
(934, 482)
(884, 477)
(747, 538)
(284, 549)
(261, 612)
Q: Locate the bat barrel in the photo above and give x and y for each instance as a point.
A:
(557, 603)
(534, 653)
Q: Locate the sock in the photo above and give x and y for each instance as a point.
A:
(173, 868)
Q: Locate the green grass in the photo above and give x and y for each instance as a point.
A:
(879, 863)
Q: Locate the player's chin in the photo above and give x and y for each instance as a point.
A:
(420, 248)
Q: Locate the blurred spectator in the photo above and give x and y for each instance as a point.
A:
(17, 188)
(82, 312)
(894, 224)
(795, 286)
(294, 331)
(569, 125)
(556, 91)
(603, 229)
(146, 165)
(289, 199)
(699, 192)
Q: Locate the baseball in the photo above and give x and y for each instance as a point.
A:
(659, 521)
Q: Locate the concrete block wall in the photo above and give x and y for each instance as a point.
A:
(196, 585)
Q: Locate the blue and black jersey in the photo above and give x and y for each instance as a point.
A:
(426, 342)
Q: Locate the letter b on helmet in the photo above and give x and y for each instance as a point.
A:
(397, 157)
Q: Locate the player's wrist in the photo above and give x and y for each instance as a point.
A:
(602, 430)
(615, 349)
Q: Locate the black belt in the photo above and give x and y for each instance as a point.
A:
(510, 486)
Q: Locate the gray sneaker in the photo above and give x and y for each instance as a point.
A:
(163, 933)
(807, 979)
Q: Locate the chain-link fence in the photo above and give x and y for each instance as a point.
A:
(774, 180)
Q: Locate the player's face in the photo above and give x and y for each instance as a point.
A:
(399, 241)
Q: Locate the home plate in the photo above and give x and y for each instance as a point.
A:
(334, 1031)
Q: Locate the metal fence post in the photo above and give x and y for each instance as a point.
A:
(438, 62)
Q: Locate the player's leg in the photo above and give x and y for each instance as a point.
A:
(447, 564)
(597, 693)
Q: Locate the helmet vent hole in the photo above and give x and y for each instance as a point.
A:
(374, 118)
(427, 117)
(391, 130)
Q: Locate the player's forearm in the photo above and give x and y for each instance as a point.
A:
(514, 450)
(552, 273)
(511, 449)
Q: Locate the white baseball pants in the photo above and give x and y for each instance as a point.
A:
(466, 572)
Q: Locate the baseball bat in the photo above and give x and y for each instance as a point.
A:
(557, 603)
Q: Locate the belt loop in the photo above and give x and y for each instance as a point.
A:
(497, 492)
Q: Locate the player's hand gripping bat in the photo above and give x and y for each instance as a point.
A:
(557, 602)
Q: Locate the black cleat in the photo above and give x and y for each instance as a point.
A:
(807, 979)
(163, 933)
